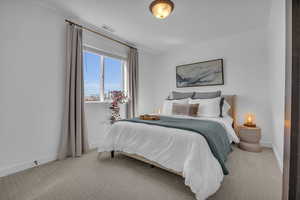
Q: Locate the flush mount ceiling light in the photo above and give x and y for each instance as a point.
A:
(161, 8)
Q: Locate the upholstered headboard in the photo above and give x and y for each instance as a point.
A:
(232, 112)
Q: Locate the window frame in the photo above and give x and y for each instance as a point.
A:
(104, 55)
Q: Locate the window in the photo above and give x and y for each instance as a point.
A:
(91, 76)
(103, 74)
(113, 75)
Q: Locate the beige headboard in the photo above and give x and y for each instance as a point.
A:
(232, 112)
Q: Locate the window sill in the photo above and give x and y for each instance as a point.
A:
(97, 102)
(100, 102)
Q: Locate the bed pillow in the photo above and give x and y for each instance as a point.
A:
(185, 109)
(206, 95)
(225, 109)
(180, 95)
(207, 107)
(168, 105)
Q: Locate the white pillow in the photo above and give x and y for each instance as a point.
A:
(207, 107)
(168, 105)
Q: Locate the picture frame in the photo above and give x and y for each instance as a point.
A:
(206, 73)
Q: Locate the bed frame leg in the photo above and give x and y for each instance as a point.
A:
(112, 154)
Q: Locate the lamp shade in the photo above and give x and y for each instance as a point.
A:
(161, 8)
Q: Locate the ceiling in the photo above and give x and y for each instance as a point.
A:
(192, 21)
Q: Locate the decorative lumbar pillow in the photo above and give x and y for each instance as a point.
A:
(185, 109)
(194, 110)
(180, 95)
(207, 107)
(180, 109)
(168, 104)
(206, 95)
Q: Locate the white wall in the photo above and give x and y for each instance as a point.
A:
(148, 63)
(95, 41)
(32, 55)
(32, 58)
(277, 74)
(245, 69)
(98, 121)
(98, 114)
(254, 67)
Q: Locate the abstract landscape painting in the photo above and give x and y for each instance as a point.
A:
(200, 74)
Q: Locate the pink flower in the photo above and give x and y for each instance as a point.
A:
(117, 97)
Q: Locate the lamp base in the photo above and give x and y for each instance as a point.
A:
(250, 125)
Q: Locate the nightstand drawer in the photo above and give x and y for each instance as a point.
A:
(250, 147)
(252, 131)
(251, 137)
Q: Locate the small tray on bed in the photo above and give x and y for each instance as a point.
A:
(149, 117)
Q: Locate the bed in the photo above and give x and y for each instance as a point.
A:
(180, 151)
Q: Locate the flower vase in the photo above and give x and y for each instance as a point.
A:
(115, 113)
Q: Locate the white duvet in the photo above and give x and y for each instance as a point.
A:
(176, 149)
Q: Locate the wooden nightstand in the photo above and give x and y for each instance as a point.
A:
(249, 138)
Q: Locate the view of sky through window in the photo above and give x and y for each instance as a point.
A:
(91, 66)
(113, 75)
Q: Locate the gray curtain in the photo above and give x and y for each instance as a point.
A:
(133, 66)
(74, 133)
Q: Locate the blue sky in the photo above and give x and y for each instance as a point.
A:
(112, 74)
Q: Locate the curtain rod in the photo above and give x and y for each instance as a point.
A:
(101, 34)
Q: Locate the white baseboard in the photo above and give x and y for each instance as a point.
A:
(25, 165)
(278, 158)
(30, 164)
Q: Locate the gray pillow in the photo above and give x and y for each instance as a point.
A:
(180, 95)
(206, 95)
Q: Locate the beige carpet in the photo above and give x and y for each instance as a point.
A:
(252, 177)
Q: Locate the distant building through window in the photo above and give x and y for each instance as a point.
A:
(102, 75)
